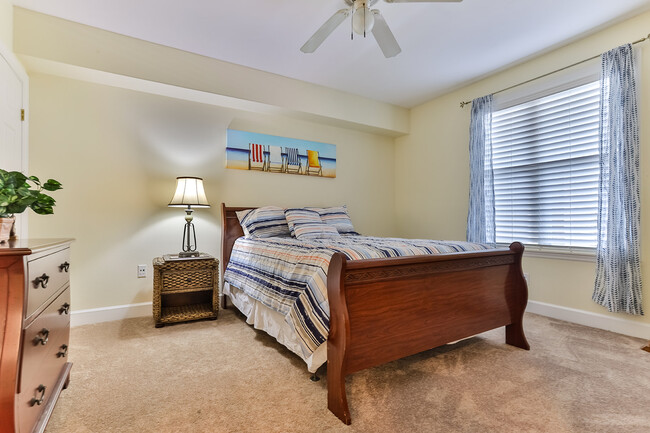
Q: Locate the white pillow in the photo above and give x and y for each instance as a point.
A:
(307, 224)
(264, 222)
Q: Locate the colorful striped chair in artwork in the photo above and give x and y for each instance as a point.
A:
(275, 162)
(256, 160)
(313, 163)
(292, 163)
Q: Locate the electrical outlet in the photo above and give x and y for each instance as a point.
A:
(142, 271)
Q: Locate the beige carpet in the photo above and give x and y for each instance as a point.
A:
(223, 376)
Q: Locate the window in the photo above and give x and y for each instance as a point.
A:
(546, 167)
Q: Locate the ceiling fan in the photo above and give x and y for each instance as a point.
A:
(364, 20)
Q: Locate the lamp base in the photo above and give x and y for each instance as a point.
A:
(185, 254)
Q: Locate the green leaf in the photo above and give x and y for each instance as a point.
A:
(23, 191)
(17, 177)
(45, 199)
(19, 192)
(52, 185)
(16, 208)
(28, 200)
(45, 210)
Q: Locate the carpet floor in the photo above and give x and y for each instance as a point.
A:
(224, 376)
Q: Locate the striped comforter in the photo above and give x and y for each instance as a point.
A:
(289, 275)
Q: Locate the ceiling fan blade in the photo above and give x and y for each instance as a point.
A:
(423, 1)
(325, 30)
(384, 36)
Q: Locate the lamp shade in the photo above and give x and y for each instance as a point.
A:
(189, 192)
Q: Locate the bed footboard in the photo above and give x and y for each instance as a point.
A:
(385, 309)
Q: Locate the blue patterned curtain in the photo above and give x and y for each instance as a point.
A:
(480, 216)
(618, 276)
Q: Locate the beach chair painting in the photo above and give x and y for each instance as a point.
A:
(256, 159)
(293, 163)
(276, 161)
(313, 163)
(274, 154)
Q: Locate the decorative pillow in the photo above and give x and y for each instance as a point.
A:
(308, 225)
(263, 222)
(337, 217)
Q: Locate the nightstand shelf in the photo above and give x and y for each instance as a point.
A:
(185, 289)
(183, 313)
(181, 290)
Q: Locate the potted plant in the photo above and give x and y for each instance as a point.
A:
(19, 192)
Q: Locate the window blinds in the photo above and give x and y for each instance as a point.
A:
(546, 168)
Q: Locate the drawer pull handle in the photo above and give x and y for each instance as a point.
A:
(42, 280)
(63, 352)
(65, 308)
(63, 267)
(41, 388)
(42, 337)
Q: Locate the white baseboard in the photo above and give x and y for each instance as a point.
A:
(594, 320)
(581, 317)
(107, 314)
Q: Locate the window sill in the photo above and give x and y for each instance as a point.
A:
(577, 254)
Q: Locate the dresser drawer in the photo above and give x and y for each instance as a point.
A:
(45, 352)
(38, 386)
(44, 336)
(46, 275)
(190, 279)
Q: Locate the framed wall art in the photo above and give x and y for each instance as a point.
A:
(274, 154)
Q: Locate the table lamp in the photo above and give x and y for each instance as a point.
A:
(189, 192)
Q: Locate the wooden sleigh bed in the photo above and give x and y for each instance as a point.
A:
(386, 309)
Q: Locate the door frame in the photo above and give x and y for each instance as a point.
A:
(7, 55)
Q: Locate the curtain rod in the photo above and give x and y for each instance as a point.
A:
(463, 103)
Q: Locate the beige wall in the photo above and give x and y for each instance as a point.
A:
(118, 152)
(432, 173)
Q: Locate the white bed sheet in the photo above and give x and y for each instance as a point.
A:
(273, 323)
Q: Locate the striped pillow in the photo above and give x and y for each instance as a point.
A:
(337, 217)
(263, 222)
(307, 224)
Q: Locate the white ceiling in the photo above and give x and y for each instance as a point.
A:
(444, 45)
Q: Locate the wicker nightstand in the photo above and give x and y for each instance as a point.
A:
(185, 289)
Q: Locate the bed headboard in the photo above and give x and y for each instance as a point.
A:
(230, 231)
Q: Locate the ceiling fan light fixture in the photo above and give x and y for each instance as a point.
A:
(362, 20)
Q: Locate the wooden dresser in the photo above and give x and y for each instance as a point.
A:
(34, 331)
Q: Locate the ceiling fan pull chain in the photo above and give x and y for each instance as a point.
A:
(352, 21)
(364, 19)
